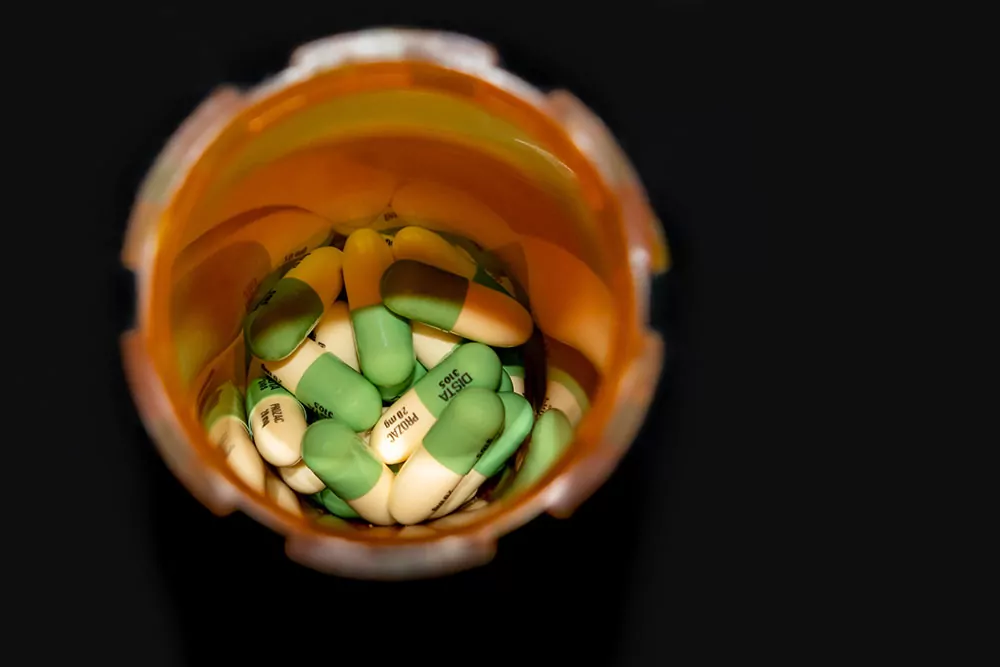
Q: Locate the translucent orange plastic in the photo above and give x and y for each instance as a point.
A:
(428, 122)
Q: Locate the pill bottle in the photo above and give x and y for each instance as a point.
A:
(360, 129)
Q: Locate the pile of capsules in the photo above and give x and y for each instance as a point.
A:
(396, 405)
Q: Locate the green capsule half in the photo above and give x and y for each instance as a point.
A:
(390, 394)
(334, 504)
(550, 437)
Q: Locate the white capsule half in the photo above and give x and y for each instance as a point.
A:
(372, 505)
(432, 345)
(232, 438)
(279, 492)
(277, 420)
(224, 418)
(301, 478)
(463, 492)
(335, 334)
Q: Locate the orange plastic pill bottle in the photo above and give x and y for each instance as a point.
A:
(370, 129)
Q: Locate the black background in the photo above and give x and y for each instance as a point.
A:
(126, 567)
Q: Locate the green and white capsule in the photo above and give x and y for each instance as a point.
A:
(289, 311)
(301, 478)
(327, 385)
(450, 302)
(384, 341)
(517, 421)
(334, 504)
(432, 345)
(279, 492)
(277, 421)
(513, 366)
(403, 426)
(224, 417)
(450, 449)
(335, 334)
(550, 437)
(340, 458)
